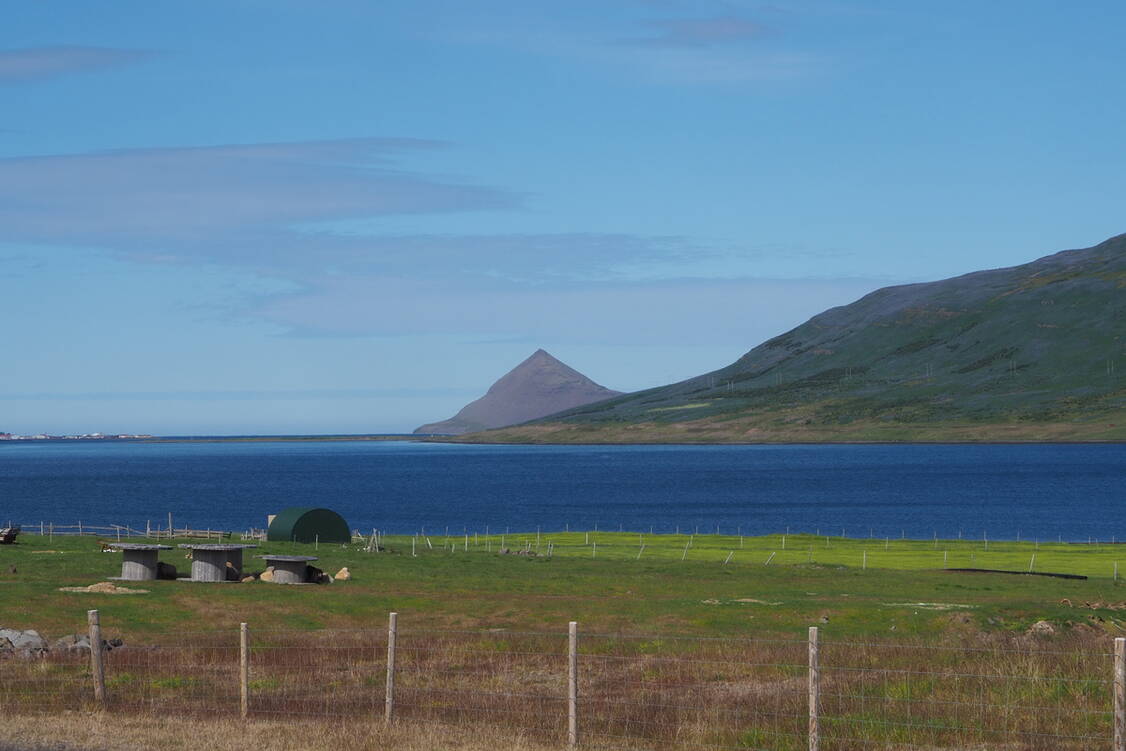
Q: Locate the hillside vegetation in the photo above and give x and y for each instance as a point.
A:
(1027, 353)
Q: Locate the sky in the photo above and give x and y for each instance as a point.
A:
(346, 216)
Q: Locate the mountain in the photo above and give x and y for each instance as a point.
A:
(1033, 352)
(539, 386)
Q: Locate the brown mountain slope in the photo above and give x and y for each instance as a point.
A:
(537, 387)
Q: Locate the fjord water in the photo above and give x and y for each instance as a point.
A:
(1033, 491)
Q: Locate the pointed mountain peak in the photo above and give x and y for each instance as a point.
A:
(541, 354)
(539, 386)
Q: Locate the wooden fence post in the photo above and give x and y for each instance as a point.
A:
(97, 667)
(1120, 694)
(572, 684)
(814, 691)
(389, 703)
(244, 669)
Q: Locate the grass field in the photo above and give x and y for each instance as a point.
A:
(678, 583)
(691, 641)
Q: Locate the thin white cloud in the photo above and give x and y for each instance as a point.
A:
(676, 310)
(223, 201)
(725, 47)
(38, 63)
(698, 32)
(274, 210)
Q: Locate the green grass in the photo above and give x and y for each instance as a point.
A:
(597, 579)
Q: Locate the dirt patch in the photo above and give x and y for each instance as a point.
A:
(928, 605)
(755, 602)
(105, 588)
(1096, 605)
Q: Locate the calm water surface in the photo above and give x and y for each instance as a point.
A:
(1043, 491)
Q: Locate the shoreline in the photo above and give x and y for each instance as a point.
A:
(467, 441)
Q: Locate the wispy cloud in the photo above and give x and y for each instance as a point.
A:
(719, 49)
(36, 63)
(223, 203)
(276, 209)
(613, 313)
(698, 32)
(280, 212)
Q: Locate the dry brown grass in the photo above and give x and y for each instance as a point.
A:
(500, 689)
(91, 731)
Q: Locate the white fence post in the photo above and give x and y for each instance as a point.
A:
(244, 669)
(1120, 694)
(389, 703)
(97, 667)
(572, 684)
(814, 691)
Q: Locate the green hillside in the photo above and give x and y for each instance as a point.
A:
(1032, 352)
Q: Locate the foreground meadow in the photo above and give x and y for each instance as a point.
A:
(686, 641)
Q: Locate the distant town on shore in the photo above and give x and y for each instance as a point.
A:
(83, 437)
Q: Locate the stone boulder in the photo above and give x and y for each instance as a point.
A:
(22, 643)
(79, 643)
(71, 644)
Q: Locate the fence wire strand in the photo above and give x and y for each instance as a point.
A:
(634, 692)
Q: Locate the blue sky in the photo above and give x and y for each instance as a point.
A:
(290, 216)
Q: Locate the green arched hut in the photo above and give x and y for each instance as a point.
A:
(308, 525)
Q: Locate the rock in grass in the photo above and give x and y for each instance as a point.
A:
(22, 643)
(72, 643)
(1041, 628)
(76, 643)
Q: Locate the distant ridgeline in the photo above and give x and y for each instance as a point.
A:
(1033, 352)
(539, 386)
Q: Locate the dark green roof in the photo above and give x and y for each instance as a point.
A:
(308, 525)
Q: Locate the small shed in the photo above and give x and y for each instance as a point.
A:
(308, 525)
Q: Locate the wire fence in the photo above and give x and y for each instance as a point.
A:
(613, 690)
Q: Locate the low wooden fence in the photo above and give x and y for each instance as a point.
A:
(612, 690)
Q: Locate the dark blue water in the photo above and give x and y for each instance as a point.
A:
(1043, 491)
